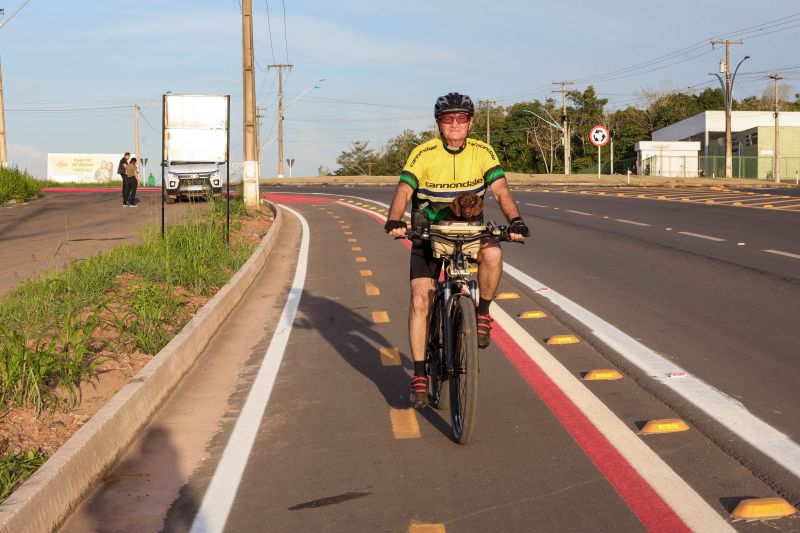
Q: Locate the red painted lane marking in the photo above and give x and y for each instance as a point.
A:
(654, 513)
(96, 189)
(297, 199)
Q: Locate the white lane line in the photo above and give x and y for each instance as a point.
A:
(787, 254)
(631, 222)
(726, 410)
(701, 236)
(218, 499)
(580, 213)
(538, 205)
(675, 492)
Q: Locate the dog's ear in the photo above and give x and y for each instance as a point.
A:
(478, 203)
(455, 206)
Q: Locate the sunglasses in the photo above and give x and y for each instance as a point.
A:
(460, 118)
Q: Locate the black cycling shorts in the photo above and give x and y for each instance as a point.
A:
(423, 264)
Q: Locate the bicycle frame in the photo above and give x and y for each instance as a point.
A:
(456, 272)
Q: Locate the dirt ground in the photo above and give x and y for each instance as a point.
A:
(23, 428)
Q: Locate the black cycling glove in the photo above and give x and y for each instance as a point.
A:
(518, 226)
(394, 224)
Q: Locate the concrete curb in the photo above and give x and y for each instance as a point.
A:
(43, 501)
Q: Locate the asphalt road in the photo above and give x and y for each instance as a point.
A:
(47, 233)
(690, 281)
(336, 447)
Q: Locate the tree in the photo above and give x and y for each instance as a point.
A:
(587, 111)
(357, 160)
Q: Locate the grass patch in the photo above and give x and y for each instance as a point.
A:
(16, 468)
(74, 184)
(48, 341)
(17, 185)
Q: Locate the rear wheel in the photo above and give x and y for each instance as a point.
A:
(438, 384)
(464, 381)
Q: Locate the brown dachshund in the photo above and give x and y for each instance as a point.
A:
(466, 206)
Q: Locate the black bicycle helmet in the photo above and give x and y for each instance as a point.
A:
(453, 103)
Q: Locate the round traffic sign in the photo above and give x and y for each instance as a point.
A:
(599, 135)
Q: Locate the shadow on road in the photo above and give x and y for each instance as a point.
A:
(358, 341)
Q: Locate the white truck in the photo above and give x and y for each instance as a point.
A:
(191, 180)
(195, 144)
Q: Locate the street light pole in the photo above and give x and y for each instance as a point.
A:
(776, 152)
(728, 89)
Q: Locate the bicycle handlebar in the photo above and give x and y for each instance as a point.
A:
(498, 233)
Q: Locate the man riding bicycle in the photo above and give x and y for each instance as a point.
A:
(436, 172)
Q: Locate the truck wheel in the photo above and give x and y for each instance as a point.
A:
(169, 199)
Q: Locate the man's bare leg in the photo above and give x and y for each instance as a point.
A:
(490, 268)
(422, 292)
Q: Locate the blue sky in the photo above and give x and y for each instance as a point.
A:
(399, 55)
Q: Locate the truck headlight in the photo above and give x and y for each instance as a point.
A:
(173, 184)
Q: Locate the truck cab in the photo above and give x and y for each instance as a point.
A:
(191, 180)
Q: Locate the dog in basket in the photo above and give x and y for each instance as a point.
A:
(466, 207)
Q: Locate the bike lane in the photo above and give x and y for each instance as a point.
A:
(339, 450)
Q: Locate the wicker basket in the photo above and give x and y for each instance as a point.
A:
(442, 247)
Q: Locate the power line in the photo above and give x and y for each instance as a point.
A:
(285, 38)
(351, 102)
(672, 58)
(269, 28)
(14, 14)
(69, 109)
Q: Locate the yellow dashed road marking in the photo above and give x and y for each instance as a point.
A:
(426, 528)
(371, 289)
(506, 296)
(380, 317)
(345, 227)
(664, 425)
(404, 424)
(365, 273)
(361, 259)
(348, 232)
(390, 356)
(355, 248)
(563, 339)
(532, 314)
(352, 240)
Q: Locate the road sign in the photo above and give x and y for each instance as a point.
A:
(599, 136)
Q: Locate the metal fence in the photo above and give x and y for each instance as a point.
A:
(745, 167)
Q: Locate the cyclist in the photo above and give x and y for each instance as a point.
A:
(436, 172)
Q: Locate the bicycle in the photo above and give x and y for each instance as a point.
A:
(451, 357)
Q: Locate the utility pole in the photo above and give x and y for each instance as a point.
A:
(136, 138)
(776, 153)
(728, 102)
(280, 115)
(3, 151)
(565, 124)
(488, 104)
(250, 172)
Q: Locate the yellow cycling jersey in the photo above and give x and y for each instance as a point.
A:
(438, 174)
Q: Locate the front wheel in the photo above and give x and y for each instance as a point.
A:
(464, 380)
(438, 383)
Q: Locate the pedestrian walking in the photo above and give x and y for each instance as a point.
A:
(132, 179)
(121, 171)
